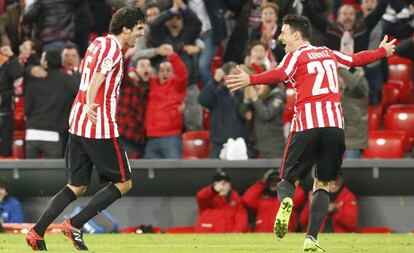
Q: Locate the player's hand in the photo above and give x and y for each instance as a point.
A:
(38, 72)
(238, 81)
(388, 46)
(92, 114)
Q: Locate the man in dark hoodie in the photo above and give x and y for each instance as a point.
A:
(47, 106)
(226, 122)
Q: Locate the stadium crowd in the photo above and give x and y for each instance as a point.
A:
(173, 79)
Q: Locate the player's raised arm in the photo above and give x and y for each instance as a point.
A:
(385, 49)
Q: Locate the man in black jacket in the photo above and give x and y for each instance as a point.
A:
(47, 106)
(226, 122)
(10, 70)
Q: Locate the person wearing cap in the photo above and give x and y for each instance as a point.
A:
(225, 120)
(10, 208)
(261, 198)
(342, 211)
(220, 208)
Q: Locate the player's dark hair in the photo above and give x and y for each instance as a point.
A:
(299, 24)
(54, 59)
(127, 17)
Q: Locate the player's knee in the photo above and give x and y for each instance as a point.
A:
(124, 187)
(78, 190)
(320, 185)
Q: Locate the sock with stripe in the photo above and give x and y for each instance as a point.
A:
(99, 202)
(55, 207)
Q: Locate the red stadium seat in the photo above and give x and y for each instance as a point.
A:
(391, 94)
(401, 117)
(374, 230)
(374, 117)
(180, 230)
(196, 144)
(385, 144)
(400, 69)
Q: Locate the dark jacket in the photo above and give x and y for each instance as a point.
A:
(189, 33)
(225, 121)
(218, 24)
(10, 71)
(334, 31)
(54, 19)
(355, 108)
(48, 101)
(267, 123)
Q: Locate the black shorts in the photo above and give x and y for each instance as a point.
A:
(108, 156)
(323, 147)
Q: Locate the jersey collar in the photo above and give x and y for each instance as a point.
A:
(111, 36)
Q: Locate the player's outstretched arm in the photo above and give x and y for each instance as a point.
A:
(242, 80)
(363, 58)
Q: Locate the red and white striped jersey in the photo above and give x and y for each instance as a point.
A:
(313, 72)
(104, 55)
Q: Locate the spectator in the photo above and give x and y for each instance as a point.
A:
(27, 56)
(180, 27)
(47, 106)
(213, 32)
(351, 35)
(164, 117)
(225, 121)
(268, 33)
(132, 103)
(261, 198)
(11, 210)
(10, 24)
(406, 48)
(71, 59)
(220, 208)
(266, 105)
(355, 109)
(83, 18)
(10, 70)
(54, 20)
(342, 212)
(254, 62)
(142, 48)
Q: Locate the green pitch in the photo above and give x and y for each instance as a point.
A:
(249, 243)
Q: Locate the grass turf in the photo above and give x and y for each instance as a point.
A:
(251, 243)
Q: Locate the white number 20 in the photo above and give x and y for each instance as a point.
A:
(327, 67)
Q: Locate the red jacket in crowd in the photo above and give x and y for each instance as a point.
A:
(345, 219)
(163, 116)
(218, 214)
(266, 207)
